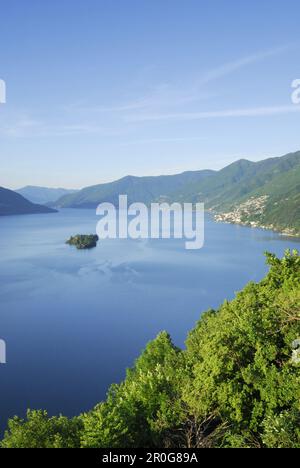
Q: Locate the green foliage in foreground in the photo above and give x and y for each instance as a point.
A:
(40, 431)
(236, 384)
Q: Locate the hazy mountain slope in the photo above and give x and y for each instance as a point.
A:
(264, 179)
(237, 181)
(219, 190)
(141, 189)
(283, 214)
(262, 193)
(286, 183)
(12, 203)
(43, 195)
(222, 180)
(275, 204)
(282, 209)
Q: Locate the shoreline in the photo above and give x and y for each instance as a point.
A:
(223, 218)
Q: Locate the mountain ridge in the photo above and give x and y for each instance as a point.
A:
(42, 195)
(12, 203)
(233, 193)
(144, 189)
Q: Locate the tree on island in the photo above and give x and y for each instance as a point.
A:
(83, 241)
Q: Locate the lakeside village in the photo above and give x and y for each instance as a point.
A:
(249, 214)
(242, 214)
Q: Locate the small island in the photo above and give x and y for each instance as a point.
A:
(83, 241)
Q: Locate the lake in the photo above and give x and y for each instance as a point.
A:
(73, 321)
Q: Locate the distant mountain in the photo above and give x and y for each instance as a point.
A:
(282, 209)
(12, 203)
(268, 196)
(237, 181)
(43, 195)
(264, 193)
(142, 189)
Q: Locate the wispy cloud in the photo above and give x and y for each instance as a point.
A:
(27, 128)
(167, 101)
(233, 66)
(19, 127)
(162, 140)
(163, 95)
(230, 113)
(170, 95)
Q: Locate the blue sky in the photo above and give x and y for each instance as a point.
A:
(98, 89)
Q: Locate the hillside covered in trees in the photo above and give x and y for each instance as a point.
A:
(237, 383)
(263, 193)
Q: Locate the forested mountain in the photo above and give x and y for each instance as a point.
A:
(235, 385)
(270, 199)
(12, 203)
(240, 180)
(262, 193)
(141, 189)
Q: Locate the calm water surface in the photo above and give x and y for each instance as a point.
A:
(74, 320)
